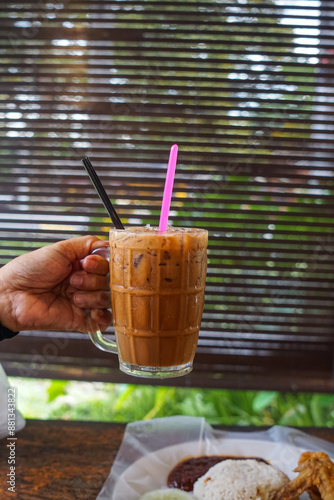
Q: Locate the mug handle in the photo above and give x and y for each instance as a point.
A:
(93, 329)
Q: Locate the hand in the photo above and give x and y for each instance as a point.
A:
(50, 288)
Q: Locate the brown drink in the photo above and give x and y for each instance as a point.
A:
(157, 283)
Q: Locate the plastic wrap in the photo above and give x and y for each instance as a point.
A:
(150, 449)
(19, 420)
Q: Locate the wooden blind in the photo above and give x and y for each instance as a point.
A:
(246, 89)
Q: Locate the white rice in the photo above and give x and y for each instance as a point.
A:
(167, 494)
(240, 480)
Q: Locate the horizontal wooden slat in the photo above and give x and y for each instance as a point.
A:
(73, 356)
(52, 31)
(181, 50)
(12, 42)
(109, 125)
(86, 4)
(188, 9)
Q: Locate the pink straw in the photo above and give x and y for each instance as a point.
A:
(168, 188)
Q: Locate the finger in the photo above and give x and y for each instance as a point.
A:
(92, 300)
(90, 282)
(96, 264)
(102, 317)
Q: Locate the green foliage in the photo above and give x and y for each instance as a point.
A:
(262, 400)
(125, 403)
(56, 388)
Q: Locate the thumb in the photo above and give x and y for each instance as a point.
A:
(78, 248)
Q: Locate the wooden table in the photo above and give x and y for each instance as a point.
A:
(60, 460)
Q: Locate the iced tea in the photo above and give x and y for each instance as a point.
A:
(157, 282)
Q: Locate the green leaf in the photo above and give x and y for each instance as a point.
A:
(56, 388)
(263, 399)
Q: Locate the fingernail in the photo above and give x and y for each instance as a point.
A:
(76, 280)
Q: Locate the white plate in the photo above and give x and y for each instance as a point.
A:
(151, 472)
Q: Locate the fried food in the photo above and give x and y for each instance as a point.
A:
(316, 477)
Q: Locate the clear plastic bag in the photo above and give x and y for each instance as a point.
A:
(4, 406)
(150, 449)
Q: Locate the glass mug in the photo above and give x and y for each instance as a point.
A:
(157, 283)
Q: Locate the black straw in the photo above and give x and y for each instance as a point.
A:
(101, 192)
